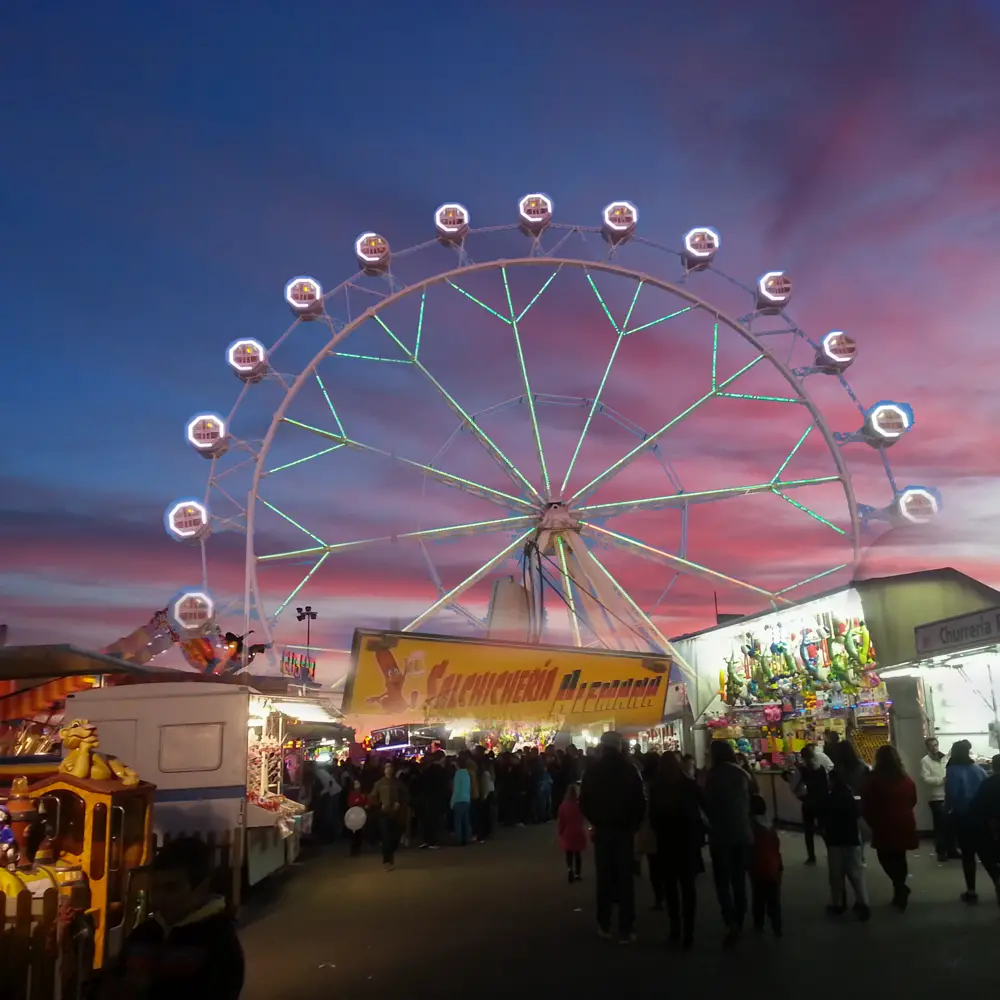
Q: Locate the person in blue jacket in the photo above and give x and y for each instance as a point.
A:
(962, 779)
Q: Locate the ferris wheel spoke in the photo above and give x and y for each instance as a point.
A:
(685, 565)
(234, 502)
(596, 402)
(492, 449)
(657, 322)
(424, 535)
(618, 508)
(300, 461)
(479, 302)
(613, 470)
(293, 523)
(296, 590)
(567, 583)
(527, 387)
(439, 585)
(813, 578)
(506, 500)
(811, 512)
(471, 580)
(524, 312)
(788, 458)
(664, 642)
(329, 402)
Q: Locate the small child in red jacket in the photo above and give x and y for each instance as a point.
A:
(572, 829)
(356, 797)
(765, 870)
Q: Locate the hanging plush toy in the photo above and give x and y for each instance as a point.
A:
(809, 650)
(734, 682)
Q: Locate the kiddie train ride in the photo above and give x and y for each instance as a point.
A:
(82, 830)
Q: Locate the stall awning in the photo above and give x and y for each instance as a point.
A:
(28, 703)
(306, 710)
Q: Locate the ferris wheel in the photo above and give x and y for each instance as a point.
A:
(451, 411)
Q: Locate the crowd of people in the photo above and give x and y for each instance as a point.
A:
(458, 799)
(658, 812)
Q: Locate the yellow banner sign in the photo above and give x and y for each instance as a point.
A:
(419, 678)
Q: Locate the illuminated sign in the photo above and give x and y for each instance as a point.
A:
(393, 738)
(418, 678)
(299, 666)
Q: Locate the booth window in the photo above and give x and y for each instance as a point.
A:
(71, 814)
(191, 746)
(99, 842)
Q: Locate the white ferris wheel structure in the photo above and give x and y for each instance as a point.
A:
(543, 512)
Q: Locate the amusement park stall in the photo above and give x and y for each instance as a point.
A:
(217, 755)
(844, 662)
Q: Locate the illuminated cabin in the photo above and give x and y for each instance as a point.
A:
(700, 247)
(194, 612)
(305, 296)
(188, 521)
(207, 436)
(248, 360)
(373, 253)
(452, 223)
(916, 505)
(535, 211)
(886, 424)
(774, 292)
(836, 353)
(619, 221)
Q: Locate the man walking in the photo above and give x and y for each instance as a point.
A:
(613, 802)
(932, 775)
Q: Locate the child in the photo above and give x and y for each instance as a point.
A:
(572, 830)
(189, 948)
(765, 870)
(843, 849)
(356, 797)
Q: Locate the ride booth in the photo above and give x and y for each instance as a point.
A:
(71, 846)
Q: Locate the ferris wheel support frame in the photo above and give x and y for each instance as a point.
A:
(252, 588)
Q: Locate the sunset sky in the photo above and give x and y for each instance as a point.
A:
(169, 166)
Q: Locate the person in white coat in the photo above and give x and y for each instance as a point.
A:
(932, 775)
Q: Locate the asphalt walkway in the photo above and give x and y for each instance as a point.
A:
(500, 920)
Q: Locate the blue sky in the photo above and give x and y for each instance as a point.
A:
(170, 166)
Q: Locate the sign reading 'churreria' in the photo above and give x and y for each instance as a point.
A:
(981, 628)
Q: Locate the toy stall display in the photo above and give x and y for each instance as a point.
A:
(781, 689)
(661, 739)
(276, 822)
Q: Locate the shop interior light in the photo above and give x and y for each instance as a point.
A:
(303, 710)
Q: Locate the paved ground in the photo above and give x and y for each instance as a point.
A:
(500, 917)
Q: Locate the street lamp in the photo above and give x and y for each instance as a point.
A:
(308, 616)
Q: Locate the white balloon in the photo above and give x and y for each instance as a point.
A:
(354, 818)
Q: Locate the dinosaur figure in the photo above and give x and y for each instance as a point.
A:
(83, 760)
